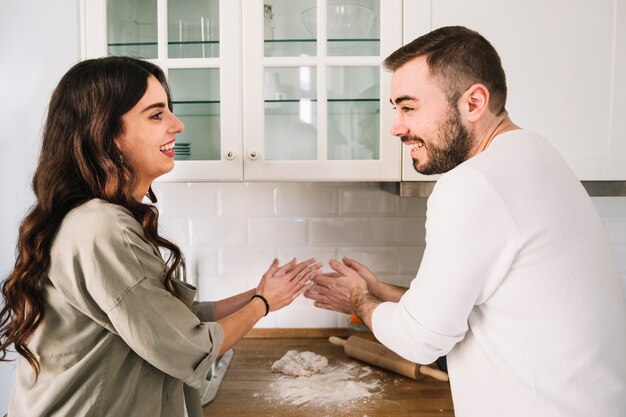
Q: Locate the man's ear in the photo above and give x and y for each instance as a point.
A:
(474, 102)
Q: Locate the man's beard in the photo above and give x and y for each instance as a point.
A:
(454, 146)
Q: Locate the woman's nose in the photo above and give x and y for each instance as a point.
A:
(177, 125)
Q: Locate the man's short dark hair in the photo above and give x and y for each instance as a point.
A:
(457, 58)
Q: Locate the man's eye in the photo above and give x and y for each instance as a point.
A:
(407, 109)
(157, 116)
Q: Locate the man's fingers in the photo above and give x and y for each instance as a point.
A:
(351, 263)
(323, 280)
(339, 267)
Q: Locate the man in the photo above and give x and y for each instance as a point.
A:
(518, 284)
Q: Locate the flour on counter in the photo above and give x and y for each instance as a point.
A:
(300, 363)
(333, 385)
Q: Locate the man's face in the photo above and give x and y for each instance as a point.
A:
(426, 121)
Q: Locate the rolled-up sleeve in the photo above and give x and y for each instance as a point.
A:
(205, 310)
(470, 245)
(166, 333)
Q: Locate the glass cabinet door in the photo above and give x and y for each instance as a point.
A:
(196, 101)
(315, 86)
(193, 28)
(132, 28)
(290, 106)
(197, 44)
(353, 113)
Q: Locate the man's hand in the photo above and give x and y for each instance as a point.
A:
(364, 272)
(331, 291)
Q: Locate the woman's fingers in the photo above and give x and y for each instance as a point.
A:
(305, 287)
(302, 266)
(272, 269)
(282, 270)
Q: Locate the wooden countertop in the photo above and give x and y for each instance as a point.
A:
(249, 388)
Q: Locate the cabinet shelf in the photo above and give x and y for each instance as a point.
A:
(330, 100)
(335, 106)
(183, 108)
(313, 40)
(119, 44)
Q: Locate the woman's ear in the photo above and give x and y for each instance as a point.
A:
(474, 102)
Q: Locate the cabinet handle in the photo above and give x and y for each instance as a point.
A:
(253, 155)
(230, 155)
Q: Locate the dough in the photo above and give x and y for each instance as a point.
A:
(300, 364)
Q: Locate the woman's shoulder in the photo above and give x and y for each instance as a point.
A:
(100, 215)
(99, 220)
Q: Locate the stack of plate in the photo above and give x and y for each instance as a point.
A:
(183, 150)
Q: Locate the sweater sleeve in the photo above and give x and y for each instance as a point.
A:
(470, 245)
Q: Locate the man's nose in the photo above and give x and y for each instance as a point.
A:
(398, 128)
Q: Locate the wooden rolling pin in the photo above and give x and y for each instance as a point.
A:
(376, 354)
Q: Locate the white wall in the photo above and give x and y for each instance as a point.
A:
(39, 41)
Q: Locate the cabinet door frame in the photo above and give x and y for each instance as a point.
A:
(94, 45)
(387, 168)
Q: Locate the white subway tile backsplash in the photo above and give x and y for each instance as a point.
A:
(620, 253)
(306, 316)
(217, 288)
(219, 231)
(368, 201)
(322, 254)
(245, 261)
(230, 233)
(307, 200)
(175, 229)
(396, 230)
(337, 232)
(616, 226)
(410, 259)
(413, 206)
(247, 200)
(201, 262)
(278, 231)
(379, 260)
(610, 206)
(187, 199)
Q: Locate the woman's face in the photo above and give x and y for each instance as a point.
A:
(148, 134)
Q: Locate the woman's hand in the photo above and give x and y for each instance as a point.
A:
(281, 285)
(332, 290)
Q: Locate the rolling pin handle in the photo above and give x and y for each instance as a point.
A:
(435, 373)
(338, 341)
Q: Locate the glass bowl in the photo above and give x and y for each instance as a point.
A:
(344, 21)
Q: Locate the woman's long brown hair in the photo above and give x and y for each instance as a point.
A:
(78, 161)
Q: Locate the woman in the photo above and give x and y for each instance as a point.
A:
(95, 313)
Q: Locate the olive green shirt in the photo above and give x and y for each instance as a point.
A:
(114, 341)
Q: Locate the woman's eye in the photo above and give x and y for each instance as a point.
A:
(157, 116)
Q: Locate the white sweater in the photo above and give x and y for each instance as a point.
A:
(519, 286)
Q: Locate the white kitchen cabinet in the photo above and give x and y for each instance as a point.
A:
(268, 90)
(566, 71)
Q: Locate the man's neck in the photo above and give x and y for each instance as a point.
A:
(486, 134)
